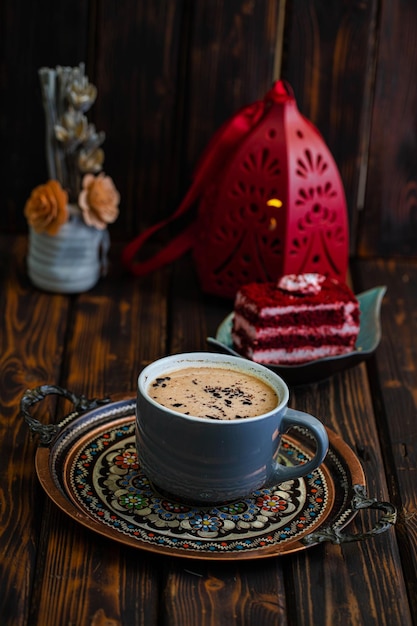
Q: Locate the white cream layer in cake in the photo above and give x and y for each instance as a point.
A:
(273, 325)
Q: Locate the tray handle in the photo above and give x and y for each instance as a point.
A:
(360, 501)
(47, 432)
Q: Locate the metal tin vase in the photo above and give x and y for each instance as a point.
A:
(71, 261)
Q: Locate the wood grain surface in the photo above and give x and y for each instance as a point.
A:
(56, 572)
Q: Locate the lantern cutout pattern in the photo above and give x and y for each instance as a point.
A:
(278, 208)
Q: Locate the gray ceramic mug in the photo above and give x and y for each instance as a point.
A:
(205, 460)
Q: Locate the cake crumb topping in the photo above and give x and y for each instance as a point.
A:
(308, 283)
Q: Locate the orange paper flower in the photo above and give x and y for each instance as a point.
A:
(99, 200)
(46, 208)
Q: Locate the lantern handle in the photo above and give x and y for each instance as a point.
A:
(280, 92)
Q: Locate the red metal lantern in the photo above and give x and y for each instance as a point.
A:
(278, 209)
(271, 202)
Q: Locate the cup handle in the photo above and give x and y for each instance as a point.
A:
(292, 418)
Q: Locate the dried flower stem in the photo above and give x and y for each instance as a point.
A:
(53, 151)
(72, 145)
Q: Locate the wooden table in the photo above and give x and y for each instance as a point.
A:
(57, 572)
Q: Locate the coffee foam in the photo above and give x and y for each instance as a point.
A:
(217, 393)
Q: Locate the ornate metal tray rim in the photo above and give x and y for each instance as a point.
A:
(58, 443)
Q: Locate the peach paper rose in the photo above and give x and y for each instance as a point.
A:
(46, 208)
(99, 200)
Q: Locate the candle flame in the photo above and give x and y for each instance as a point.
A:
(274, 202)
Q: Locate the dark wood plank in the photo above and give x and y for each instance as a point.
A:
(393, 384)
(137, 63)
(344, 403)
(233, 48)
(389, 216)
(187, 321)
(250, 594)
(329, 61)
(84, 578)
(32, 338)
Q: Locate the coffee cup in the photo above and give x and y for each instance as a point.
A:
(203, 453)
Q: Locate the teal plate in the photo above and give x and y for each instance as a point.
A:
(320, 369)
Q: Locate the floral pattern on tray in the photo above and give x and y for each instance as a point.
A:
(108, 483)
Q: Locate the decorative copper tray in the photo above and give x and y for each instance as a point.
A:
(89, 467)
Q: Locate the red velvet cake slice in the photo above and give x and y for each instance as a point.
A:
(301, 318)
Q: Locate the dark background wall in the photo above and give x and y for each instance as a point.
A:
(169, 72)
